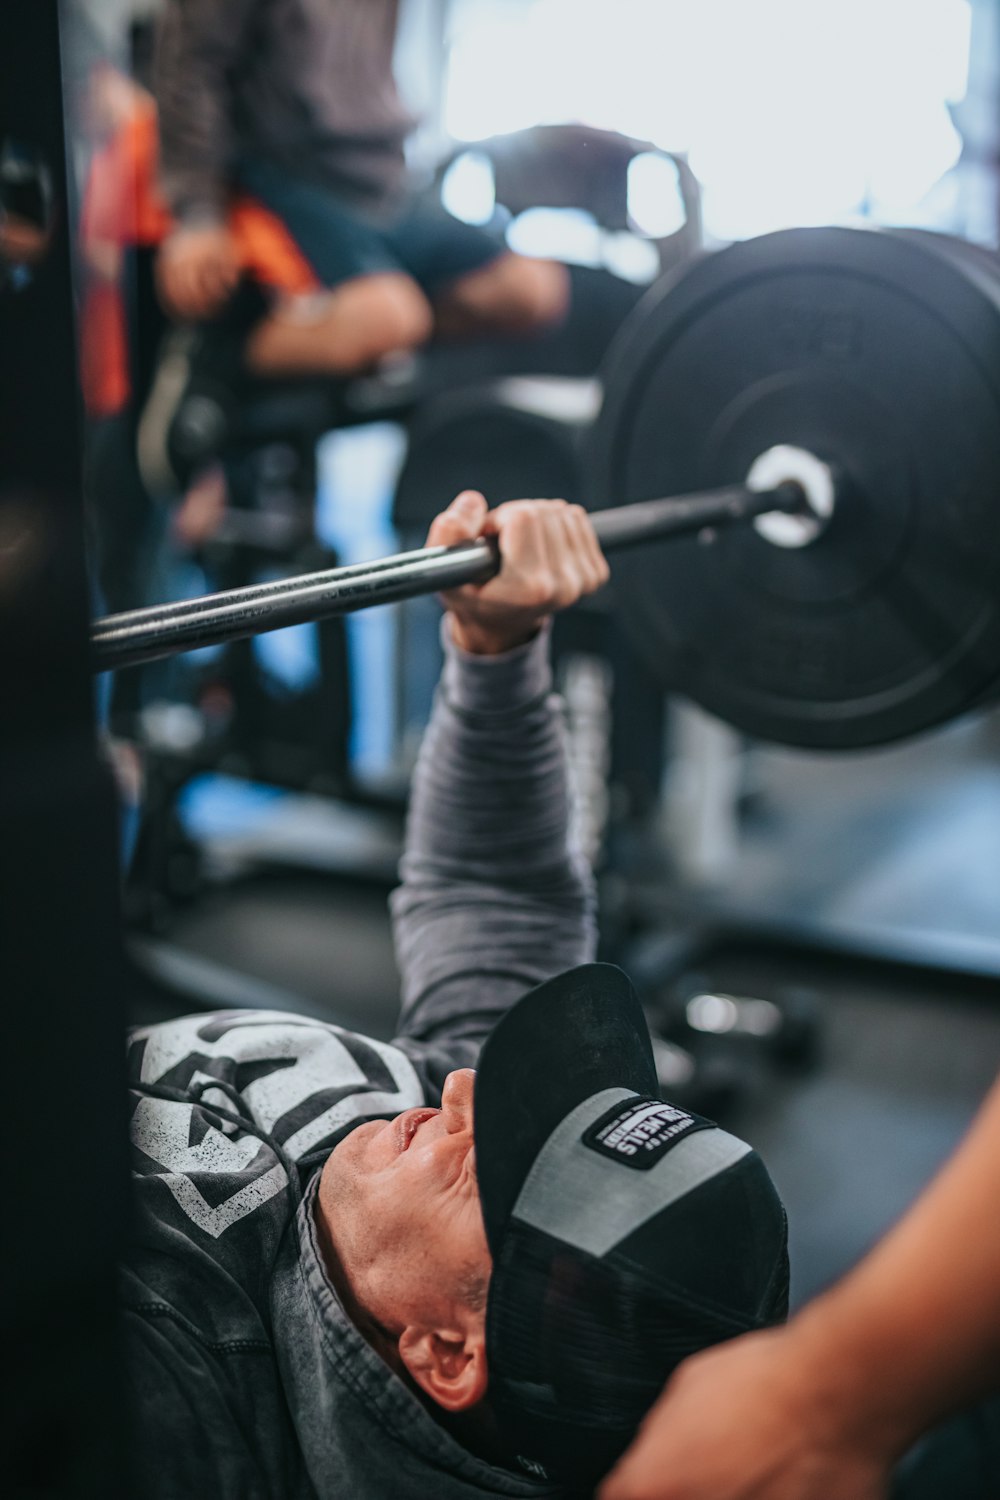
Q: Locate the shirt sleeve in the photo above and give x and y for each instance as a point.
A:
(198, 45)
(493, 898)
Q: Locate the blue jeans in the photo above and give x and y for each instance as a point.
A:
(420, 238)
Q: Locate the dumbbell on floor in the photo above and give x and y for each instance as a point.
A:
(785, 1026)
(705, 1082)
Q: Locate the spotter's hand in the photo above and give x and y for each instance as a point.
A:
(550, 559)
(752, 1420)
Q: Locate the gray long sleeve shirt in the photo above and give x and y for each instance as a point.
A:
(248, 1378)
(304, 84)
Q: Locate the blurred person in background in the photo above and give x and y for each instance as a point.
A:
(294, 103)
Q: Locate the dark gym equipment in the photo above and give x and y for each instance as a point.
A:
(880, 353)
(785, 1024)
(873, 354)
(708, 1083)
(581, 167)
(26, 208)
(65, 1179)
(514, 437)
(289, 733)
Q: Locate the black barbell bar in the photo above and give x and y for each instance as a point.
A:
(144, 635)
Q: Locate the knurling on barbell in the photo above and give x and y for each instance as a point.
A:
(145, 635)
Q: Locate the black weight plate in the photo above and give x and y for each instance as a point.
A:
(480, 438)
(983, 264)
(881, 354)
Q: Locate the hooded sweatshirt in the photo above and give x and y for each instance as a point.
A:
(246, 1376)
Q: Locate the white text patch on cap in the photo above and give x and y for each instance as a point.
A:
(641, 1132)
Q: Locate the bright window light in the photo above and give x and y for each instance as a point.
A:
(655, 205)
(792, 111)
(819, 111)
(569, 234)
(631, 258)
(469, 190)
(619, 67)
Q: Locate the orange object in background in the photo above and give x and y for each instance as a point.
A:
(124, 209)
(267, 251)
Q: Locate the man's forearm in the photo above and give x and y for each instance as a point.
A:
(493, 900)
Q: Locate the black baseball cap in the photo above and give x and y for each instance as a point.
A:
(625, 1233)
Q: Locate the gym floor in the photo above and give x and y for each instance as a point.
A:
(904, 1059)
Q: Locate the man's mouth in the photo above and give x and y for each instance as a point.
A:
(407, 1125)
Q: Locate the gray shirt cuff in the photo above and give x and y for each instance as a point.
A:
(496, 684)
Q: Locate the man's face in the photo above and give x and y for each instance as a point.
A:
(400, 1202)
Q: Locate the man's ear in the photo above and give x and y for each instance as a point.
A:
(448, 1364)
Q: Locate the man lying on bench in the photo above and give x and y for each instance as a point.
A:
(364, 1270)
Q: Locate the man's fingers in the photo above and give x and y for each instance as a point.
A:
(551, 556)
(197, 271)
(179, 292)
(461, 522)
(598, 571)
(581, 547)
(529, 551)
(211, 288)
(553, 546)
(565, 580)
(550, 559)
(579, 576)
(221, 275)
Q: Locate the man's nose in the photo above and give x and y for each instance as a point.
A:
(456, 1100)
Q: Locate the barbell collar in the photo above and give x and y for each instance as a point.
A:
(146, 635)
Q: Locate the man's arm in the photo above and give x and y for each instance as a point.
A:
(825, 1406)
(493, 899)
(199, 42)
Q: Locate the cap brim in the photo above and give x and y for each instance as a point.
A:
(568, 1039)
